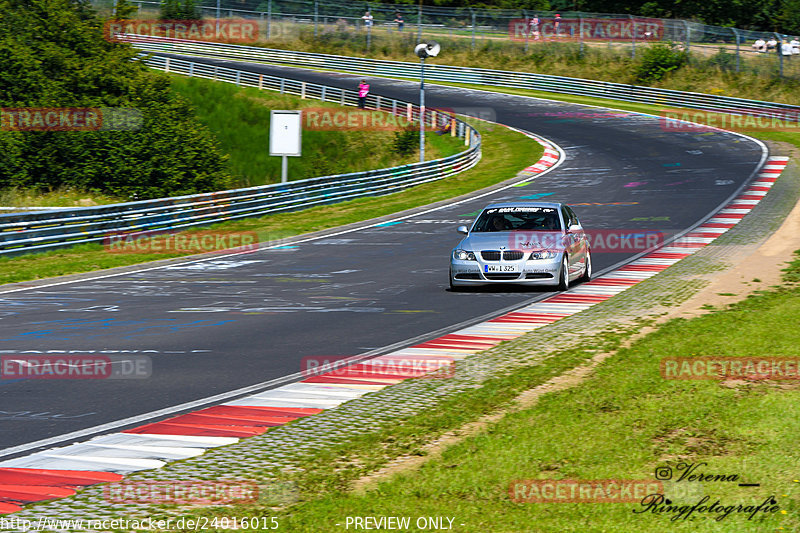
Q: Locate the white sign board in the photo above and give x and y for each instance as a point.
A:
(285, 133)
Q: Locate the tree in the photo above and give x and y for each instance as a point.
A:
(52, 54)
(123, 10)
(180, 10)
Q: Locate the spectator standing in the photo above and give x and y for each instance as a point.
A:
(363, 91)
(771, 44)
(795, 46)
(760, 45)
(398, 18)
(534, 27)
(367, 18)
(556, 25)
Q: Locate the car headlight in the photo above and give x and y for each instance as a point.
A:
(464, 255)
(547, 254)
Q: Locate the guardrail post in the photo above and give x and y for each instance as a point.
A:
(433, 118)
(166, 65)
(283, 85)
(525, 18)
(633, 36)
(419, 24)
(409, 113)
(394, 107)
(378, 102)
(269, 20)
(473, 27)
(260, 82)
(343, 93)
(322, 95)
(736, 36)
(191, 69)
(238, 77)
(316, 17)
(779, 49)
(580, 31)
(216, 70)
(452, 127)
(303, 90)
(686, 29)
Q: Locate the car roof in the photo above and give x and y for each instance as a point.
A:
(524, 204)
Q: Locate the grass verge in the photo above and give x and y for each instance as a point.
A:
(239, 119)
(504, 154)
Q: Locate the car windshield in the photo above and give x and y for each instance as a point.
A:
(518, 218)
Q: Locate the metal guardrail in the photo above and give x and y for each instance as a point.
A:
(478, 76)
(42, 231)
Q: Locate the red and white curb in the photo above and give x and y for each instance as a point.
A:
(549, 158)
(58, 472)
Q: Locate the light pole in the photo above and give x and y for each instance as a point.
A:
(424, 50)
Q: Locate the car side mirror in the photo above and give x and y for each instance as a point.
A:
(463, 229)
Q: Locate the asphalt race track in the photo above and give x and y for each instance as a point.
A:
(219, 325)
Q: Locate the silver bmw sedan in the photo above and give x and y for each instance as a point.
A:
(525, 243)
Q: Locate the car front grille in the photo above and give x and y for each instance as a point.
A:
(468, 276)
(538, 275)
(508, 255)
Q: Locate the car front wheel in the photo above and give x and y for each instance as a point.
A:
(563, 276)
(587, 273)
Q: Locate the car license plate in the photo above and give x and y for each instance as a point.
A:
(500, 268)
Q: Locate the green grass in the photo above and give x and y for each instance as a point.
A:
(504, 154)
(14, 197)
(239, 119)
(622, 423)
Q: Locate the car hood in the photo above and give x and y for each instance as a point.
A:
(513, 240)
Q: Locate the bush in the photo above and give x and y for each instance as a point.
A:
(406, 141)
(657, 61)
(723, 60)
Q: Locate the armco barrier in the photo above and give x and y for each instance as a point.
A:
(47, 230)
(479, 76)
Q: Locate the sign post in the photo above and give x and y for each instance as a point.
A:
(285, 137)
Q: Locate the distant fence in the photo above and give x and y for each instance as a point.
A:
(42, 231)
(282, 18)
(498, 78)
